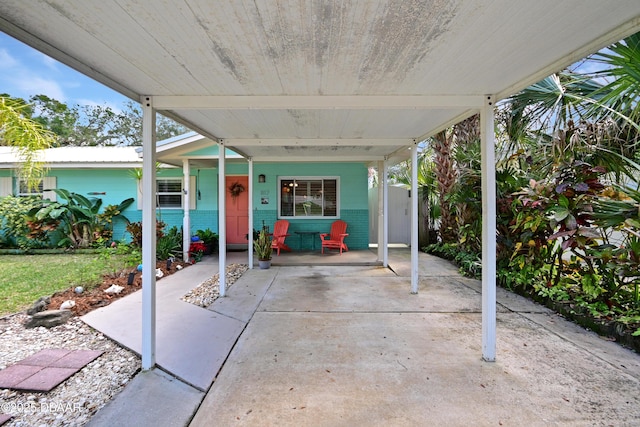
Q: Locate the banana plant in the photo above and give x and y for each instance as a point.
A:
(78, 216)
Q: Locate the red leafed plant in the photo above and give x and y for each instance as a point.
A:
(196, 250)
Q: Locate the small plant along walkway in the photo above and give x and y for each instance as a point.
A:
(89, 300)
(46, 369)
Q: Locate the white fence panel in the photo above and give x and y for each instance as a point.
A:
(399, 215)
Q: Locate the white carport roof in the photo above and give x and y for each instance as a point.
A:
(319, 81)
(327, 80)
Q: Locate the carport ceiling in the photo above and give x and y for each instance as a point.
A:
(322, 80)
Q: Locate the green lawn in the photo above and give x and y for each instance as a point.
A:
(25, 278)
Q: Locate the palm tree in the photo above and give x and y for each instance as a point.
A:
(427, 191)
(29, 137)
(446, 177)
(592, 116)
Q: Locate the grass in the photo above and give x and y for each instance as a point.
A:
(25, 278)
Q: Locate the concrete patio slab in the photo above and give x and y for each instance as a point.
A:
(245, 295)
(152, 398)
(328, 369)
(334, 290)
(4, 418)
(349, 345)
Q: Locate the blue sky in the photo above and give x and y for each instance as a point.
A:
(25, 72)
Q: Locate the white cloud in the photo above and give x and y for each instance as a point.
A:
(6, 60)
(49, 62)
(35, 85)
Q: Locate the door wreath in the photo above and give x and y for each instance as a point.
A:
(236, 189)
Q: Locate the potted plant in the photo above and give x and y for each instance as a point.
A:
(209, 238)
(262, 246)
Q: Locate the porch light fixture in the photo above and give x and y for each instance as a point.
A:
(262, 178)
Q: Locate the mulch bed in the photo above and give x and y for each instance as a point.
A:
(96, 297)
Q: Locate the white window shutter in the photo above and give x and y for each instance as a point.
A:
(6, 186)
(193, 191)
(48, 183)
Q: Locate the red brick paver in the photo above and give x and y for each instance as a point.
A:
(46, 369)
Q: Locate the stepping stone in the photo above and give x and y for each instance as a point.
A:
(46, 369)
(46, 379)
(4, 418)
(13, 375)
(45, 357)
(76, 359)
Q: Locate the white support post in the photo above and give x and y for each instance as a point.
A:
(487, 138)
(186, 220)
(414, 218)
(222, 219)
(385, 213)
(148, 234)
(250, 231)
(380, 212)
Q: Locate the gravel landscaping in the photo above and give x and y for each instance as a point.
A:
(76, 400)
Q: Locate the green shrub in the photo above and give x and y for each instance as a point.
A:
(13, 221)
(169, 245)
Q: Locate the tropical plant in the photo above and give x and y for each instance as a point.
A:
(169, 245)
(208, 237)
(13, 221)
(196, 250)
(78, 219)
(27, 136)
(135, 230)
(427, 190)
(446, 179)
(262, 245)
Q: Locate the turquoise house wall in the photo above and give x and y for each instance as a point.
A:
(119, 184)
(205, 214)
(354, 209)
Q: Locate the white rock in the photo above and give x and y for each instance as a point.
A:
(67, 305)
(159, 273)
(113, 289)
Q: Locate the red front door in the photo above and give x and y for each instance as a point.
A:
(237, 204)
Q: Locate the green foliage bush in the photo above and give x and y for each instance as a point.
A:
(13, 222)
(169, 245)
(554, 242)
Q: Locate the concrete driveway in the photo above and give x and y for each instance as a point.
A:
(350, 346)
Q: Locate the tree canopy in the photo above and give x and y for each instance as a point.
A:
(91, 125)
(27, 136)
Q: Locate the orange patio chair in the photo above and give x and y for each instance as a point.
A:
(280, 229)
(336, 237)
